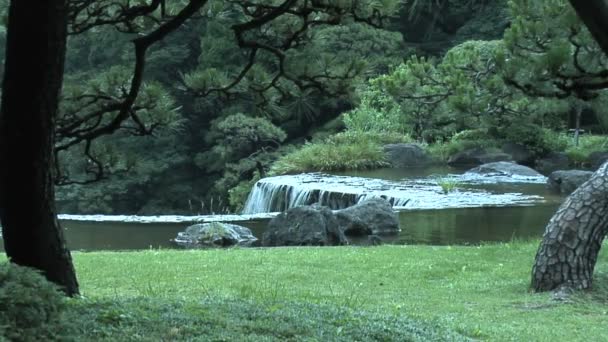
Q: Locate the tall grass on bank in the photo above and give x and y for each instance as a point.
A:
(326, 294)
(349, 150)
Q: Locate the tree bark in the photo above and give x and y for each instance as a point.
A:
(573, 238)
(35, 54)
(594, 13)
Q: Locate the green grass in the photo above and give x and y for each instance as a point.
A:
(448, 184)
(343, 151)
(322, 293)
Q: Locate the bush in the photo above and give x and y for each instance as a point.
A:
(527, 134)
(350, 150)
(555, 141)
(587, 145)
(443, 151)
(30, 306)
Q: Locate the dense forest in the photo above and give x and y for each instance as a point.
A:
(211, 119)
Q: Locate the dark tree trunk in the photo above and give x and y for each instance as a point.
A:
(594, 14)
(36, 39)
(573, 237)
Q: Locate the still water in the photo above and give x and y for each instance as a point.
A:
(432, 226)
(436, 227)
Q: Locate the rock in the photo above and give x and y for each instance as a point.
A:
(304, 226)
(215, 234)
(566, 181)
(476, 156)
(552, 162)
(505, 169)
(372, 216)
(406, 155)
(596, 159)
(519, 153)
(374, 240)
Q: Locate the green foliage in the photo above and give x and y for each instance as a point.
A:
(30, 307)
(555, 141)
(376, 113)
(443, 150)
(448, 184)
(314, 157)
(432, 101)
(588, 144)
(242, 145)
(369, 137)
(351, 150)
(550, 52)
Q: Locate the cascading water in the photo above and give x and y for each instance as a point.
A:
(280, 193)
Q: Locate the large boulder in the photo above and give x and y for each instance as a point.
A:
(552, 162)
(371, 216)
(215, 234)
(519, 153)
(304, 226)
(477, 156)
(566, 181)
(505, 169)
(406, 155)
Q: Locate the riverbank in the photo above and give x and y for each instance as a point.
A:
(298, 293)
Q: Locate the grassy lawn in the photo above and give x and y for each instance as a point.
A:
(331, 293)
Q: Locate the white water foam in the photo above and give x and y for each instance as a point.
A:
(283, 192)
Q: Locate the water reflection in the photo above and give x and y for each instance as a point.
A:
(434, 227)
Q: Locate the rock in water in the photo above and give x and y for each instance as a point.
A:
(371, 216)
(505, 169)
(406, 155)
(566, 181)
(304, 226)
(215, 234)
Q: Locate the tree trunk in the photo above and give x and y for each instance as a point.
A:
(573, 238)
(594, 14)
(35, 54)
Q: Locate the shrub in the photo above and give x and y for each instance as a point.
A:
(30, 306)
(527, 134)
(350, 150)
(444, 150)
(587, 145)
(555, 141)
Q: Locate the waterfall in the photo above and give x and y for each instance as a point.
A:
(279, 193)
(267, 197)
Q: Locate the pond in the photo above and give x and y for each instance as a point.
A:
(460, 225)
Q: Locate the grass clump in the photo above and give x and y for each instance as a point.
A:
(30, 306)
(344, 151)
(448, 184)
(224, 319)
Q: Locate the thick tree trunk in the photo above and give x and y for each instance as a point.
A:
(35, 54)
(573, 237)
(594, 14)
